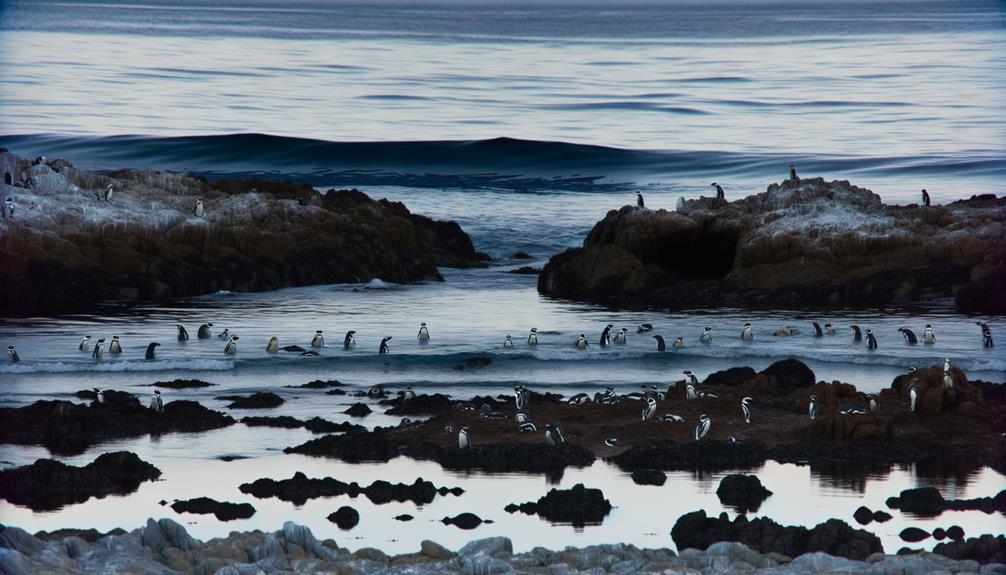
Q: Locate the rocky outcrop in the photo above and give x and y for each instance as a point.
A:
(742, 492)
(345, 517)
(182, 384)
(984, 549)
(934, 397)
(257, 400)
(299, 488)
(928, 502)
(49, 484)
(314, 425)
(222, 510)
(464, 521)
(577, 506)
(802, 242)
(67, 250)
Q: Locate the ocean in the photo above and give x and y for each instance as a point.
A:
(525, 124)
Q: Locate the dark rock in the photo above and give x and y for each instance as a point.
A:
(649, 477)
(837, 427)
(231, 457)
(525, 271)
(284, 421)
(336, 391)
(928, 502)
(318, 384)
(834, 537)
(913, 534)
(293, 349)
(742, 492)
(956, 533)
(863, 516)
(881, 516)
(521, 255)
(732, 377)
(358, 410)
(474, 363)
(48, 484)
(939, 534)
(183, 384)
(319, 425)
(422, 404)
(299, 488)
(314, 425)
(224, 511)
(791, 374)
(257, 400)
(345, 517)
(404, 517)
(985, 549)
(578, 506)
(464, 521)
(89, 535)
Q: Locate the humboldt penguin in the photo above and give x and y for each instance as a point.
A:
(204, 331)
(108, 193)
(605, 340)
(581, 342)
(85, 343)
(532, 338)
(857, 334)
(199, 207)
(812, 407)
(746, 333)
(792, 172)
(678, 342)
(621, 336)
(464, 442)
(232, 345)
(661, 346)
(424, 334)
(8, 208)
(925, 198)
(644, 327)
(151, 351)
(908, 334)
(748, 409)
(349, 342)
(702, 429)
(817, 330)
(719, 191)
(707, 335)
(639, 200)
(12, 354)
(650, 410)
(114, 347)
(384, 349)
(871, 340)
(99, 348)
(156, 402)
(508, 342)
(273, 345)
(182, 334)
(318, 340)
(928, 335)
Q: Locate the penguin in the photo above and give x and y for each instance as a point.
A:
(318, 340)
(309, 354)
(948, 380)
(375, 392)
(521, 416)
(817, 330)
(8, 208)
(703, 394)
(639, 200)
(654, 392)
(650, 410)
(527, 427)
(349, 342)
(449, 428)
(182, 334)
(408, 394)
(151, 351)
(108, 193)
(849, 409)
(532, 338)
(99, 396)
(871, 402)
(830, 329)
(225, 334)
(608, 396)
(671, 418)
(749, 410)
(463, 440)
(384, 349)
(199, 207)
(578, 399)
(114, 347)
(857, 334)
(719, 191)
(702, 429)
(99, 348)
(746, 334)
(690, 392)
(812, 408)
(606, 336)
(678, 342)
(644, 327)
(661, 346)
(273, 345)
(204, 331)
(12, 354)
(925, 198)
(554, 435)
(521, 397)
(928, 335)
(508, 342)
(424, 334)
(913, 394)
(156, 401)
(871, 340)
(707, 335)
(946, 364)
(232, 345)
(909, 335)
(733, 439)
(986, 335)
(85, 343)
(690, 377)
(634, 396)
(680, 205)
(792, 172)
(611, 441)
(621, 337)
(581, 342)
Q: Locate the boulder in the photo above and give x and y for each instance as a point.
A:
(732, 377)
(863, 515)
(464, 521)
(358, 410)
(577, 506)
(838, 427)
(790, 374)
(928, 502)
(985, 549)
(913, 534)
(742, 492)
(345, 517)
(222, 510)
(648, 477)
(299, 488)
(257, 400)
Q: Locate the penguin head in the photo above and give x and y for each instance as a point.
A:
(651, 401)
(703, 418)
(465, 429)
(422, 324)
(157, 392)
(115, 338)
(747, 324)
(318, 331)
(235, 338)
(350, 332)
(534, 330)
(101, 340)
(813, 398)
(10, 348)
(746, 400)
(154, 344)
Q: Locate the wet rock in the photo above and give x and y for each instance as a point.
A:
(939, 534)
(863, 516)
(913, 534)
(49, 484)
(422, 404)
(742, 492)
(223, 510)
(881, 516)
(404, 517)
(474, 363)
(710, 454)
(790, 374)
(257, 400)
(314, 425)
(336, 391)
(318, 384)
(649, 477)
(434, 550)
(231, 457)
(838, 427)
(577, 506)
(731, 377)
(319, 425)
(928, 502)
(964, 398)
(183, 384)
(525, 271)
(464, 521)
(521, 255)
(956, 533)
(345, 517)
(299, 488)
(284, 421)
(985, 549)
(358, 410)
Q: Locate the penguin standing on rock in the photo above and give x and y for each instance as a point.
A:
(871, 340)
(199, 207)
(151, 353)
(108, 193)
(232, 345)
(948, 380)
(464, 442)
(812, 407)
(913, 394)
(424, 334)
(8, 208)
(719, 191)
(12, 354)
(204, 331)
(748, 409)
(349, 342)
(925, 198)
(928, 335)
(114, 347)
(639, 200)
(650, 410)
(384, 349)
(792, 172)
(182, 334)
(318, 340)
(554, 435)
(156, 402)
(661, 346)
(606, 336)
(702, 429)
(99, 396)
(690, 377)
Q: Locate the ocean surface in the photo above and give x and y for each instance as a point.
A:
(525, 124)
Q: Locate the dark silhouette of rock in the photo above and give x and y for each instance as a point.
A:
(742, 492)
(985, 549)
(466, 521)
(224, 511)
(928, 502)
(183, 384)
(939, 534)
(284, 421)
(314, 425)
(345, 517)
(299, 488)
(257, 400)
(521, 255)
(318, 384)
(89, 535)
(696, 530)
(790, 374)
(649, 477)
(577, 505)
(404, 517)
(732, 377)
(913, 534)
(936, 399)
(863, 515)
(956, 533)
(336, 391)
(525, 271)
(422, 404)
(837, 427)
(358, 410)
(881, 516)
(48, 484)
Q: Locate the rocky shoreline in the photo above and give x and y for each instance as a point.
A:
(804, 242)
(164, 547)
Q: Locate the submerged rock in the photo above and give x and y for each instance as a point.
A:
(648, 477)
(183, 384)
(223, 510)
(299, 488)
(358, 410)
(742, 492)
(257, 400)
(464, 521)
(345, 517)
(928, 502)
(577, 506)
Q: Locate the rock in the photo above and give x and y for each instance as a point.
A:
(318, 384)
(422, 404)
(927, 502)
(492, 546)
(939, 534)
(48, 484)
(790, 374)
(838, 427)
(578, 506)
(257, 400)
(986, 549)
(164, 533)
(284, 421)
(521, 255)
(863, 516)
(881, 516)
(404, 517)
(182, 384)
(224, 511)
(742, 492)
(345, 517)
(88, 535)
(358, 410)
(314, 425)
(731, 377)
(803, 242)
(913, 534)
(956, 533)
(435, 550)
(649, 477)
(525, 270)
(299, 488)
(463, 521)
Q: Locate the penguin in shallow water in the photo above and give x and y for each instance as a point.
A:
(621, 337)
(748, 409)
(464, 441)
(644, 327)
(99, 348)
(829, 329)
(702, 429)
(817, 330)
(678, 342)
(232, 345)
(204, 331)
(384, 349)
(12, 354)
(273, 345)
(650, 410)
(928, 335)
(812, 407)
(857, 334)
(581, 342)
(661, 346)
(182, 334)
(908, 334)
(349, 342)
(719, 191)
(424, 334)
(199, 207)
(151, 353)
(225, 334)
(508, 342)
(318, 340)
(746, 333)
(925, 198)
(114, 347)
(156, 402)
(605, 340)
(871, 340)
(639, 200)
(986, 335)
(532, 338)
(707, 335)
(85, 343)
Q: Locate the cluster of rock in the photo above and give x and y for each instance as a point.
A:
(164, 547)
(577, 506)
(299, 488)
(68, 249)
(802, 242)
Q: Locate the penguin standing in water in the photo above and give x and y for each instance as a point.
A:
(151, 353)
(650, 410)
(702, 429)
(928, 335)
(719, 191)
(424, 334)
(857, 334)
(156, 402)
(812, 407)
(925, 198)
(532, 338)
(606, 336)
(830, 329)
(225, 334)
(99, 349)
(639, 200)
(85, 343)
(817, 330)
(182, 334)
(204, 331)
(114, 347)
(232, 345)
(273, 345)
(644, 327)
(621, 337)
(12, 354)
(792, 172)
(678, 342)
(748, 409)
(871, 340)
(910, 338)
(707, 335)
(661, 346)
(199, 207)
(464, 442)
(318, 340)
(508, 342)
(384, 349)
(986, 334)
(746, 333)
(349, 342)
(581, 342)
